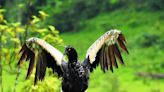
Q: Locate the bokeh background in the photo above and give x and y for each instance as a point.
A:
(79, 23)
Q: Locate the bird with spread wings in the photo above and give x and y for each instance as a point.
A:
(75, 75)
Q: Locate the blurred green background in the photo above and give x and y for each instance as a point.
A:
(79, 23)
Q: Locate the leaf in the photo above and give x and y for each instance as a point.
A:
(5, 50)
(1, 18)
(35, 20)
(2, 10)
(20, 30)
(4, 39)
(3, 27)
(16, 40)
(50, 27)
(17, 24)
(43, 15)
(21, 5)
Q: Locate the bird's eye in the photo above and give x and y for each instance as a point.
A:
(69, 49)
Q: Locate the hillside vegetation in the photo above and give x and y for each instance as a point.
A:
(80, 23)
(144, 33)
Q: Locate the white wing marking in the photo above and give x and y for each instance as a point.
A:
(108, 38)
(56, 54)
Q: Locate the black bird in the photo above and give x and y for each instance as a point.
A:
(75, 74)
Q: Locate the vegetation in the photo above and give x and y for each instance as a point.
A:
(141, 21)
(145, 42)
(12, 37)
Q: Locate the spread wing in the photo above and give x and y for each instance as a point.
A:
(105, 50)
(46, 56)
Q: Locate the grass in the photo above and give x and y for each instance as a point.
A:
(144, 33)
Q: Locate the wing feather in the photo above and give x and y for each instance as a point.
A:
(104, 60)
(121, 37)
(117, 53)
(24, 54)
(47, 56)
(30, 67)
(113, 58)
(101, 58)
(122, 45)
(104, 51)
(28, 55)
(110, 56)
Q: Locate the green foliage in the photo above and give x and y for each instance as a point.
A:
(50, 84)
(148, 40)
(38, 29)
(18, 34)
(156, 4)
(13, 35)
(141, 21)
(70, 14)
(9, 35)
(67, 14)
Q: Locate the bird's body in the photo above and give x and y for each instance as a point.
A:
(75, 74)
(75, 77)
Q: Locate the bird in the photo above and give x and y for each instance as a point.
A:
(105, 51)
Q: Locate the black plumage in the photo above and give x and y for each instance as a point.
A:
(75, 74)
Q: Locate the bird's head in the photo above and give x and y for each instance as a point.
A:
(71, 54)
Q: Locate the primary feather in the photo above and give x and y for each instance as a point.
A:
(105, 50)
(47, 56)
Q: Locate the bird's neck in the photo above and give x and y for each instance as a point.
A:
(72, 59)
